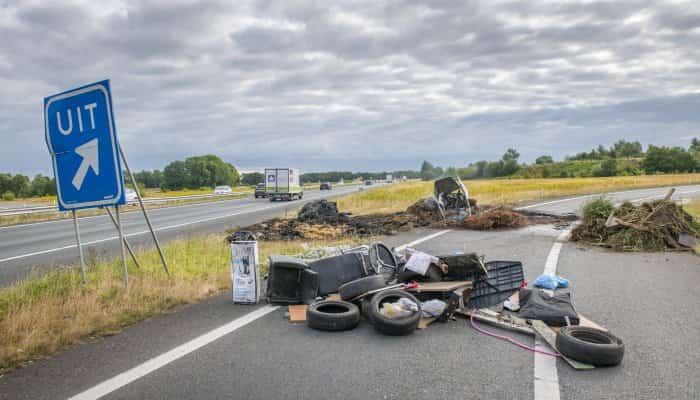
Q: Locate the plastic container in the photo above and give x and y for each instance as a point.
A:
(502, 279)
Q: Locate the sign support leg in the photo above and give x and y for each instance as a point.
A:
(80, 247)
(143, 209)
(126, 242)
(121, 241)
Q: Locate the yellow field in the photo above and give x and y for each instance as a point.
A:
(397, 197)
(43, 314)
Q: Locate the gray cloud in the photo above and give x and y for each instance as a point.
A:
(354, 85)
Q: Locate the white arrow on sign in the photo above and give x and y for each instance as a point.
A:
(88, 151)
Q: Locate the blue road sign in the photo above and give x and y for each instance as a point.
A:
(82, 140)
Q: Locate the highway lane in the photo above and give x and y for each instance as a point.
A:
(271, 358)
(574, 204)
(46, 245)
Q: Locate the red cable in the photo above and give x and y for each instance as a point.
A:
(508, 338)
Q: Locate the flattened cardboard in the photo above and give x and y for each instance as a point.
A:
(424, 322)
(297, 312)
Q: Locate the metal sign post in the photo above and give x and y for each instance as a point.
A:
(121, 242)
(87, 159)
(80, 247)
(145, 214)
(126, 242)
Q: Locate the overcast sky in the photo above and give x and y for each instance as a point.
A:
(357, 85)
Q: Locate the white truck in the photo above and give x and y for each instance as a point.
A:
(282, 184)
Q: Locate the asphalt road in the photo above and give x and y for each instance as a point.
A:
(648, 299)
(45, 245)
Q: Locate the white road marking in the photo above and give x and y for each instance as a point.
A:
(546, 378)
(164, 359)
(155, 363)
(423, 239)
(36, 253)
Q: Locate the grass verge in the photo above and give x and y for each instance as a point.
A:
(45, 313)
(398, 197)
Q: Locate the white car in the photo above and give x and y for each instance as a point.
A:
(223, 190)
(130, 195)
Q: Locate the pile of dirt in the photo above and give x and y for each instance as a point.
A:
(321, 219)
(654, 226)
(495, 218)
(321, 212)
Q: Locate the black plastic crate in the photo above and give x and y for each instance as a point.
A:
(501, 280)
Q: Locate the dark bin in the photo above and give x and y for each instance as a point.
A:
(285, 282)
(502, 279)
(337, 270)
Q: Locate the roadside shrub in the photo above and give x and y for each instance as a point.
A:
(8, 196)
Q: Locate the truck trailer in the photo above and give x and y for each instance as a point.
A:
(282, 184)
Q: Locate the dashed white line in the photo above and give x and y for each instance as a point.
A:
(546, 378)
(143, 232)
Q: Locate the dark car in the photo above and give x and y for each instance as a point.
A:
(260, 190)
(368, 182)
(325, 186)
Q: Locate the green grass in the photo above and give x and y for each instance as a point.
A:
(44, 313)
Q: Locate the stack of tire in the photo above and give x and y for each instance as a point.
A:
(339, 315)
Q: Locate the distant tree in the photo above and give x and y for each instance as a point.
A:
(20, 186)
(695, 145)
(511, 154)
(174, 176)
(544, 160)
(252, 178)
(668, 159)
(625, 149)
(451, 171)
(607, 168)
(42, 185)
(429, 172)
(209, 171)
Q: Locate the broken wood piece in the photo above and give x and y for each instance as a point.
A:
(333, 296)
(297, 312)
(441, 287)
(424, 322)
(500, 320)
(549, 336)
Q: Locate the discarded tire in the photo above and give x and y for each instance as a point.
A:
(397, 326)
(332, 315)
(361, 286)
(589, 345)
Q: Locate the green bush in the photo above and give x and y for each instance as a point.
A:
(8, 196)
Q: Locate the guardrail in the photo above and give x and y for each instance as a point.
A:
(156, 200)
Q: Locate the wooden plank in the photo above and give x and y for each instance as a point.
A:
(297, 312)
(441, 286)
(550, 337)
(424, 322)
(333, 296)
(500, 320)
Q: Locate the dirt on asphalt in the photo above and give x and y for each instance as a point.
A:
(322, 220)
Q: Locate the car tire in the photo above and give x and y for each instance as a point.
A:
(361, 286)
(332, 315)
(397, 326)
(589, 345)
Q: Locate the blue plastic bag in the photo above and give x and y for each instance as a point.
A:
(551, 282)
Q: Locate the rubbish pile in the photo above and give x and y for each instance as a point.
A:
(400, 292)
(652, 226)
(448, 206)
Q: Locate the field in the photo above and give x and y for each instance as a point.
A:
(398, 197)
(43, 314)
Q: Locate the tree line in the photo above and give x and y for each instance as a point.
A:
(622, 158)
(13, 186)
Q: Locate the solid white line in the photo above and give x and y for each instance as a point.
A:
(36, 253)
(600, 194)
(155, 363)
(546, 378)
(423, 239)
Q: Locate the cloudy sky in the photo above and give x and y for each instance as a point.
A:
(356, 85)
